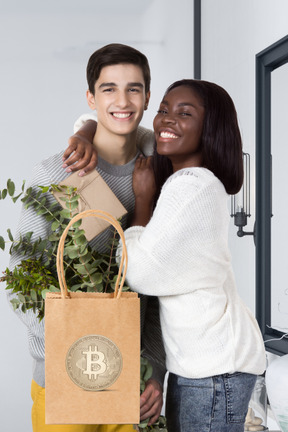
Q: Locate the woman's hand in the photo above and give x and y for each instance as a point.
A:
(144, 188)
(144, 185)
(81, 154)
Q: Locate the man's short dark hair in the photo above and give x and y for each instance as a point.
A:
(114, 54)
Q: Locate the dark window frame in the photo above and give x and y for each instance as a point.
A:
(267, 61)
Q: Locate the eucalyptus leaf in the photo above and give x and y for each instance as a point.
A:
(34, 295)
(44, 189)
(55, 187)
(78, 233)
(81, 269)
(54, 237)
(81, 240)
(28, 235)
(49, 217)
(2, 243)
(74, 198)
(10, 187)
(41, 211)
(97, 278)
(66, 214)
(14, 199)
(71, 251)
(21, 297)
(77, 224)
(55, 225)
(85, 258)
(72, 205)
(42, 245)
(15, 301)
(44, 292)
(76, 287)
(53, 288)
(10, 235)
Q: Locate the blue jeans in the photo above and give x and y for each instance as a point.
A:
(215, 404)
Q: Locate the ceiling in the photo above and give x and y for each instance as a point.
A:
(72, 7)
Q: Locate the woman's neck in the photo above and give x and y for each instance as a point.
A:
(180, 163)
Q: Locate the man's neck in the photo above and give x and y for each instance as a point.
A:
(115, 149)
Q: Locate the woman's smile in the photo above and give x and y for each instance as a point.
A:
(166, 134)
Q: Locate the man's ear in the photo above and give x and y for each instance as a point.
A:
(147, 98)
(91, 100)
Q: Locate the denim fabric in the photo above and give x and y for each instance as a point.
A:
(215, 404)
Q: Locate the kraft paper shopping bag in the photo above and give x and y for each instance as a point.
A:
(92, 349)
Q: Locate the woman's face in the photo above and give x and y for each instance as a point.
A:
(178, 127)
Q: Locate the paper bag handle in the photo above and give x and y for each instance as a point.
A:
(100, 214)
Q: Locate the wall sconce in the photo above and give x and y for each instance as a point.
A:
(240, 203)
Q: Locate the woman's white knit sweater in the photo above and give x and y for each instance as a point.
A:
(182, 256)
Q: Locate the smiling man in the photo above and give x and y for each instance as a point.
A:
(119, 89)
(119, 98)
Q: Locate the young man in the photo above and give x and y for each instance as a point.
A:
(119, 89)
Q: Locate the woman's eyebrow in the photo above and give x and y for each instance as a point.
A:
(180, 104)
(186, 104)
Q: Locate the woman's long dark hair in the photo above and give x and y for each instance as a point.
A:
(221, 139)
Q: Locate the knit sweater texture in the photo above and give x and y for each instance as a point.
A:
(182, 256)
(119, 179)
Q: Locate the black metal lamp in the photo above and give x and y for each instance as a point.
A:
(240, 203)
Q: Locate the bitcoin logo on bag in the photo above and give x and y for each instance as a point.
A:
(94, 362)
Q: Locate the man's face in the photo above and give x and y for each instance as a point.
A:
(119, 98)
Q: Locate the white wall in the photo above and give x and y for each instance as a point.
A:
(44, 50)
(233, 32)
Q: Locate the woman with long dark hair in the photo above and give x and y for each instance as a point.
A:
(178, 251)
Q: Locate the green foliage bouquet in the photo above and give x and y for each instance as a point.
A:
(86, 269)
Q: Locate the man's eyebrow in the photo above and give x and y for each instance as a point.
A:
(107, 84)
(135, 84)
(129, 84)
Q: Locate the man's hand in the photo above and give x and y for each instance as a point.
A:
(151, 401)
(81, 154)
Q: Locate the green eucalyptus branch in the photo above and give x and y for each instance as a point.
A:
(85, 269)
(30, 281)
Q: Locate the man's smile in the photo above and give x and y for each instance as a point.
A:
(122, 115)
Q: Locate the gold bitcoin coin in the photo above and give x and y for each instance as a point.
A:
(94, 362)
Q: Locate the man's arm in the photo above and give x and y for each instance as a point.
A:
(82, 155)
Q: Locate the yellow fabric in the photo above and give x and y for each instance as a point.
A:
(38, 418)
